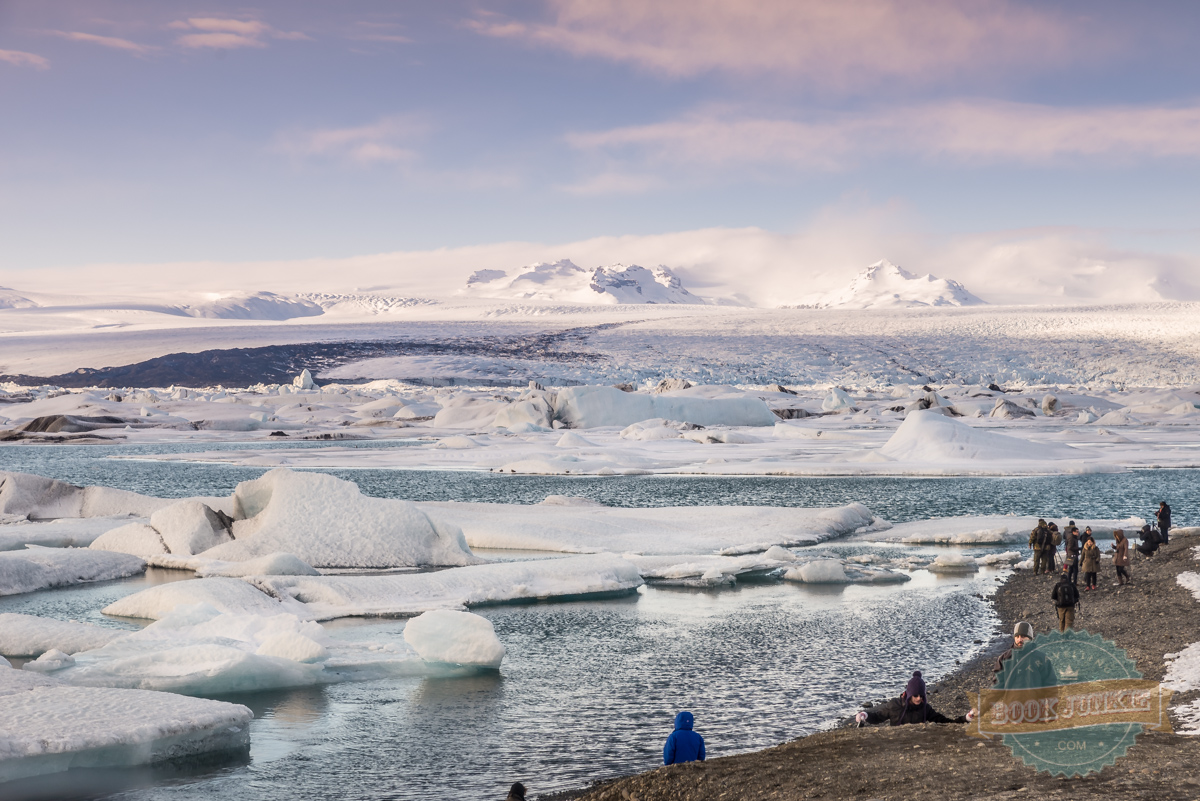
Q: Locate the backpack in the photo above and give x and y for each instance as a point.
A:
(1068, 595)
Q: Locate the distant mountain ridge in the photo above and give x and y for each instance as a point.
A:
(884, 285)
(564, 280)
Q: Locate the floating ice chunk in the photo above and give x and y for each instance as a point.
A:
(304, 381)
(570, 500)
(460, 638)
(1085, 417)
(837, 400)
(983, 537)
(223, 594)
(51, 727)
(137, 539)
(273, 564)
(42, 498)
(1008, 557)
(705, 570)
(819, 571)
(531, 410)
(710, 436)
(327, 597)
(50, 661)
(953, 563)
(45, 568)
(729, 530)
(64, 533)
(651, 430)
(30, 635)
(457, 442)
(327, 522)
(591, 407)
(928, 437)
(1118, 417)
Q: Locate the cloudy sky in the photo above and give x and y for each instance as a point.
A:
(775, 145)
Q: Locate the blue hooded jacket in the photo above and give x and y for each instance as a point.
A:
(684, 745)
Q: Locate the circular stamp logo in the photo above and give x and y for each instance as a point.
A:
(1070, 703)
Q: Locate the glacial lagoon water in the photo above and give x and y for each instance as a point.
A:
(589, 689)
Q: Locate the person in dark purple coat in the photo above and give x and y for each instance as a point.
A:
(683, 745)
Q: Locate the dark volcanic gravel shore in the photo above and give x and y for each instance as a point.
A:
(1149, 618)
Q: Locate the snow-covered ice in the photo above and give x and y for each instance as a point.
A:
(327, 522)
(328, 597)
(30, 635)
(63, 533)
(50, 726)
(453, 637)
(659, 530)
(44, 568)
(221, 593)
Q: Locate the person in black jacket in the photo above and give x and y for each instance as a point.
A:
(911, 707)
(1066, 597)
(1150, 541)
(1071, 553)
(1164, 521)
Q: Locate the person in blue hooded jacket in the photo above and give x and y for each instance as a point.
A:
(683, 744)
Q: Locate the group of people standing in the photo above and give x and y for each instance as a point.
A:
(1081, 554)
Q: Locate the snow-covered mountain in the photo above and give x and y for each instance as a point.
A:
(884, 285)
(10, 299)
(564, 280)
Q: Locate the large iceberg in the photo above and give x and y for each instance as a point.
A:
(50, 726)
(327, 522)
(592, 407)
(927, 436)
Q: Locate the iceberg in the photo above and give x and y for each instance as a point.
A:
(728, 530)
(926, 436)
(44, 568)
(593, 407)
(327, 522)
(30, 635)
(36, 497)
(50, 726)
(328, 597)
(224, 594)
(457, 638)
(65, 533)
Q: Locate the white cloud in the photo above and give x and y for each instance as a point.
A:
(19, 58)
(961, 131)
(389, 140)
(218, 33)
(827, 45)
(757, 267)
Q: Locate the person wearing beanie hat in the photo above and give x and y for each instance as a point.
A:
(516, 792)
(911, 707)
(1037, 672)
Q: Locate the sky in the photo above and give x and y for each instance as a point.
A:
(1040, 151)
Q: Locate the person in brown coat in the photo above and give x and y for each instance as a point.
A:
(1120, 551)
(1089, 560)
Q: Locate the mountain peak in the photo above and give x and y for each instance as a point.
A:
(565, 281)
(887, 285)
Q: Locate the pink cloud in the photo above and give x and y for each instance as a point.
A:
(19, 58)
(965, 131)
(106, 41)
(387, 141)
(822, 44)
(229, 34)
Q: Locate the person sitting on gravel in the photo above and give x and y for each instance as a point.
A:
(1150, 541)
(1120, 551)
(683, 744)
(1066, 597)
(1089, 560)
(911, 707)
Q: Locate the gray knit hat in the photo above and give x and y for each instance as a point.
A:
(1023, 629)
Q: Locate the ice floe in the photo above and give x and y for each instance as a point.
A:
(452, 637)
(221, 593)
(30, 635)
(50, 726)
(728, 530)
(44, 568)
(327, 597)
